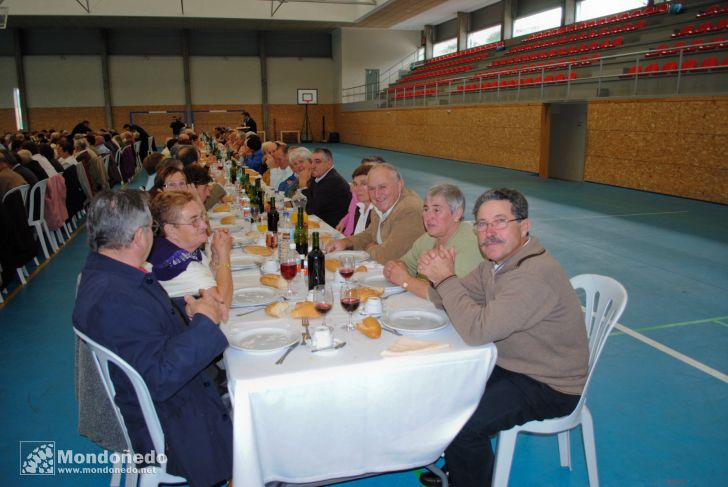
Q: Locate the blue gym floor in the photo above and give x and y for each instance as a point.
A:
(659, 397)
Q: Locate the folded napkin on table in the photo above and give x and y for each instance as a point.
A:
(407, 345)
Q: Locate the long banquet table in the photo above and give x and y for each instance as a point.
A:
(349, 412)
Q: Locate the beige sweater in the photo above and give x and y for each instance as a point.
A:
(399, 231)
(531, 312)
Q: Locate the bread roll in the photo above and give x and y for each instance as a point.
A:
(305, 309)
(277, 309)
(361, 268)
(370, 327)
(228, 198)
(313, 224)
(273, 280)
(224, 208)
(369, 292)
(333, 265)
(227, 220)
(258, 250)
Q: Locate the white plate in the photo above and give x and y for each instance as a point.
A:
(219, 215)
(262, 339)
(254, 296)
(378, 280)
(241, 239)
(232, 228)
(359, 255)
(245, 260)
(415, 320)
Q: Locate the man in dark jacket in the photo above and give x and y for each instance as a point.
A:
(327, 191)
(170, 343)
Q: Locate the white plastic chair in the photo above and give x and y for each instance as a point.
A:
(37, 194)
(605, 301)
(152, 476)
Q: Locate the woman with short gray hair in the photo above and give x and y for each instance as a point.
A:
(442, 215)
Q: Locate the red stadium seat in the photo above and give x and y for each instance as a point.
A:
(689, 65)
(709, 62)
(669, 66)
(652, 68)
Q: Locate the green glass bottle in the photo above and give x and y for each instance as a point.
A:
(300, 235)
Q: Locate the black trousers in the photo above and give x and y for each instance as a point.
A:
(510, 399)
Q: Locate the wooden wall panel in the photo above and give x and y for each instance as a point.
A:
(674, 146)
(64, 118)
(499, 135)
(7, 120)
(290, 117)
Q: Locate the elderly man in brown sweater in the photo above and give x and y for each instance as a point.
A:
(396, 219)
(521, 300)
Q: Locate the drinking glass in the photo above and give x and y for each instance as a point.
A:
(289, 264)
(347, 267)
(254, 213)
(323, 300)
(349, 301)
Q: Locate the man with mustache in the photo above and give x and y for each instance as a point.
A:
(523, 301)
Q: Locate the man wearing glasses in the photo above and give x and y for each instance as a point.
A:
(522, 301)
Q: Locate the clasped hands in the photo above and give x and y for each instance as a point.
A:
(210, 304)
(437, 264)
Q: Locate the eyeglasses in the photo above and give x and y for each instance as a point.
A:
(497, 224)
(174, 185)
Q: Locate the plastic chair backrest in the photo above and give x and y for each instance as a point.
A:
(23, 189)
(604, 304)
(102, 357)
(37, 196)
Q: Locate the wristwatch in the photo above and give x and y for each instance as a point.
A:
(405, 285)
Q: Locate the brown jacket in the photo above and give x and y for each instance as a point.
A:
(406, 219)
(531, 312)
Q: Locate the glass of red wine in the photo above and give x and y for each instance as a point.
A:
(347, 267)
(323, 300)
(349, 301)
(289, 266)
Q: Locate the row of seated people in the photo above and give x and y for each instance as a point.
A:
(590, 24)
(582, 36)
(688, 65)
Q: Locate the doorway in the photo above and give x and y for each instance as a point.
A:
(567, 140)
(371, 79)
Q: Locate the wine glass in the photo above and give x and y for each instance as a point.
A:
(347, 266)
(289, 264)
(323, 300)
(349, 301)
(254, 213)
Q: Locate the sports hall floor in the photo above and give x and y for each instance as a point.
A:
(660, 392)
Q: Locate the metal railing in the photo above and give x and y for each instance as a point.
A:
(602, 77)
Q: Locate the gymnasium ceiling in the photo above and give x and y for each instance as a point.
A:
(235, 14)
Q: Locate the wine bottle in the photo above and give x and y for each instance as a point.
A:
(273, 216)
(316, 264)
(300, 235)
(261, 201)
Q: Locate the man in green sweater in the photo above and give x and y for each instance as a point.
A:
(523, 301)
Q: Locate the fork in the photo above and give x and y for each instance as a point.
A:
(305, 324)
(290, 349)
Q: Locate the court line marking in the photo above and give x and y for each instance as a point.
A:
(590, 217)
(715, 320)
(673, 353)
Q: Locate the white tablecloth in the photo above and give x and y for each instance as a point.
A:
(348, 412)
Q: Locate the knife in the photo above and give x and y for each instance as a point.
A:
(290, 349)
(250, 311)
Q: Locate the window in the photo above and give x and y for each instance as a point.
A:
(547, 19)
(591, 9)
(421, 54)
(445, 47)
(485, 36)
